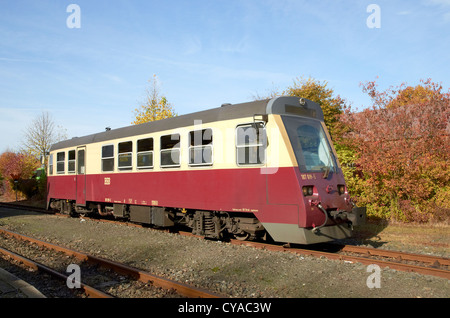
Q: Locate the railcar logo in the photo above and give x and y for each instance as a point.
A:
(107, 181)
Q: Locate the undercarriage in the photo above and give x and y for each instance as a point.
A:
(210, 224)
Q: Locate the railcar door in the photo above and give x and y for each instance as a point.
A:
(81, 175)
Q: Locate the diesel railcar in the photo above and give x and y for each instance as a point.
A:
(264, 169)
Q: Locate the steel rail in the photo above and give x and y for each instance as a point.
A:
(140, 275)
(25, 207)
(363, 260)
(401, 256)
(88, 290)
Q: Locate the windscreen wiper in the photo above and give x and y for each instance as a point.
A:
(326, 171)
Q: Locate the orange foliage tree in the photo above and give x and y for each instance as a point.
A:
(16, 166)
(402, 150)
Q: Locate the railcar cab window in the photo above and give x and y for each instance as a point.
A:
(108, 158)
(310, 144)
(125, 155)
(170, 151)
(145, 153)
(251, 144)
(71, 166)
(200, 147)
(60, 164)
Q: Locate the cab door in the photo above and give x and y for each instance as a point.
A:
(81, 175)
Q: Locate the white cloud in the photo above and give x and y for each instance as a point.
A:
(22, 60)
(447, 17)
(192, 45)
(240, 46)
(444, 3)
(113, 78)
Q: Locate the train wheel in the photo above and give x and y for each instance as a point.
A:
(242, 237)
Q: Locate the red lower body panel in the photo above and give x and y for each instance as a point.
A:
(272, 198)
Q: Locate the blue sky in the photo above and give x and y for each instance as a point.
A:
(205, 53)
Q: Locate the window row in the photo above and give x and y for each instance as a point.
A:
(200, 152)
(250, 150)
(60, 162)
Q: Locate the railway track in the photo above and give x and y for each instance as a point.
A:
(100, 271)
(409, 262)
(86, 290)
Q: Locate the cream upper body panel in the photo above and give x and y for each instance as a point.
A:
(278, 152)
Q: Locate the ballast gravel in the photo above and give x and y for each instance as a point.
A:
(234, 271)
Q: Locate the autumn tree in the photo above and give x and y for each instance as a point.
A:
(19, 167)
(402, 150)
(41, 134)
(332, 105)
(155, 106)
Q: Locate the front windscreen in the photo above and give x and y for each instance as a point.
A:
(310, 144)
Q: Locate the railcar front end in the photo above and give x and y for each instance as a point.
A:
(325, 209)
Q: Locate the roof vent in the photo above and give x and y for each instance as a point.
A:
(225, 104)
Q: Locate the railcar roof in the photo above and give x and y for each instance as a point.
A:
(279, 105)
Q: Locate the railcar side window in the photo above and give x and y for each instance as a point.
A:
(50, 165)
(170, 151)
(200, 147)
(145, 153)
(251, 144)
(108, 158)
(71, 166)
(125, 155)
(60, 164)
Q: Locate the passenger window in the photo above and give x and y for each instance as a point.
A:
(71, 166)
(200, 147)
(50, 165)
(125, 155)
(60, 164)
(251, 144)
(170, 151)
(145, 153)
(108, 158)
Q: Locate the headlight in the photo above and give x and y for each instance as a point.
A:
(308, 190)
(341, 189)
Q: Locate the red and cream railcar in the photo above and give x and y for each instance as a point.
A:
(260, 169)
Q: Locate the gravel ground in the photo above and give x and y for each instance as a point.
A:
(236, 271)
(100, 278)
